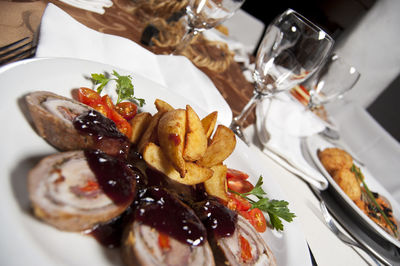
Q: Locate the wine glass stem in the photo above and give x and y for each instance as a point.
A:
(187, 38)
(238, 122)
(241, 118)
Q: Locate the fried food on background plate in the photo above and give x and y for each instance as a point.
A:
(347, 181)
(334, 159)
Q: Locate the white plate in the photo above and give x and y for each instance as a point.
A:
(315, 143)
(27, 241)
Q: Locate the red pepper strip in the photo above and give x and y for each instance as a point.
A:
(163, 241)
(245, 249)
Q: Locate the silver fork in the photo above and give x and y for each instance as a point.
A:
(20, 49)
(347, 240)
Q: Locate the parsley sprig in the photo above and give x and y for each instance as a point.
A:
(276, 209)
(125, 89)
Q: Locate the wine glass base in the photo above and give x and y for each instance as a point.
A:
(238, 130)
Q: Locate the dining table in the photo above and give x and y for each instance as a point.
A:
(125, 19)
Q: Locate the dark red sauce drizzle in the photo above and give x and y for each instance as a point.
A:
(109, 234)
(104, 132)
(161, 210)
(219, 220)
(115, 178)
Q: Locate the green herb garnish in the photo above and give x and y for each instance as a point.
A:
(276, 209)
(125, 89)
(359, 176)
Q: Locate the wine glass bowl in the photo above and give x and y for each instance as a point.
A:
(332, 81)
(292, 49)
(206, 14)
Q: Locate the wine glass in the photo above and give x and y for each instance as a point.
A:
(292, 49)
(206, 14)
(332, 81)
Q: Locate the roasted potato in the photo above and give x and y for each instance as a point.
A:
(221, 146)
(196, 140)
(162, 106)
(216, 185)
(155, 158)
(139, 124)
(171, 136)
(150, 134)
(209, 123)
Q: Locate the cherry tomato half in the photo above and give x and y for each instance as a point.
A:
(236, 173)
(121, 123)
(257, 219)
(238, 203)
(126, 109)
(88, 96)
(239, 185)
(107, 101)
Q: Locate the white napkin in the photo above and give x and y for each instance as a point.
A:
(281, 124)
(62, 36)
(96, 6)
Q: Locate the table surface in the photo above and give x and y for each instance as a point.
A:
(326, 247)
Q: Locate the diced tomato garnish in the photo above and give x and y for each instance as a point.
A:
(126, 109)
(238, 203)
(163, 241)
(245, 249)
(236, 173)
(88, 96)
(90, 186)
(257, 219)
(123, 126)
(107, 101)
(245, 214)
(105, 106)
(102, 108)
(239, 185)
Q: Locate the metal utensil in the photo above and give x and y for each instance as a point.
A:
(20, 49)
(347, 239)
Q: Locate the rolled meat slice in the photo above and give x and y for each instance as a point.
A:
(143, 245)
(67, 191)
(233, 239)
(70, 125)
(165, 231)
(244, 247)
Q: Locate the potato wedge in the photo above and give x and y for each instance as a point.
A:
(163, 106)
(150, 134)
(155, 158)
(209, 123)
(171, 136)
(139, 124)
(216, 185)
(196, 140)
(221, 146)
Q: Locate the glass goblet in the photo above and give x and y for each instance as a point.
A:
(332, 81)
(206, 14)
(292, 49)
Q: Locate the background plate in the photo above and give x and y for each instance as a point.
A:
(315, 143)
(22, 148)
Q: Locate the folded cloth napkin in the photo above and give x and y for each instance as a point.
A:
(281, 125)
(90, 5)
(175, 73)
